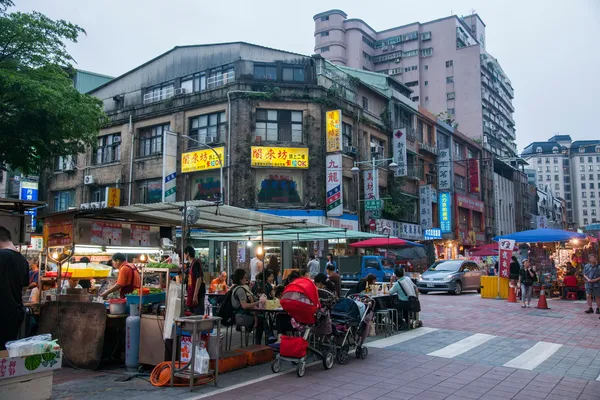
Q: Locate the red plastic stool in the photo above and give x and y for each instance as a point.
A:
(571, 295)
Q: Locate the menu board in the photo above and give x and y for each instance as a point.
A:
(106, 233)
(140, 235)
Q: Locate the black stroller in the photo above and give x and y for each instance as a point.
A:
(351, 327)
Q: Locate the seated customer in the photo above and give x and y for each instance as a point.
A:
(219, 283)
(570, 283)
(291, 278)
(243, 302)
(264, 284)
(404, 288)
(366, 283)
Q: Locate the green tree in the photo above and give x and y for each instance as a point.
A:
(42, 115)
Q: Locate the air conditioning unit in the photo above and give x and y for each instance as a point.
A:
(103, 204)
(179, 91)
(68, 164)
(89, 180)
(210, 139)
(95, 205)
(350, 150)
(84, 206)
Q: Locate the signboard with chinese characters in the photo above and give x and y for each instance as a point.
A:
(433, 233)
(29, 191)
(106, 233)
(169, 172)
(445, 206)
(333, 121)
(202, 160)
(113, 197)
(58, 232)
(399, 229)
(279, 157)
(542, 221)
(474, 182)
(333, 178)
(505, 247)
(444, 170)
(372, 205)
(371, 184)
(399, 147)
(470, 237)
(139, 235)
(425, 207)
(469, 203)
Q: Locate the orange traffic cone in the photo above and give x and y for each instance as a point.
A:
(512, 296)
(542, 304)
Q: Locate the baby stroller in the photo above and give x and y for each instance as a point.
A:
(300, 300)
(351, 326)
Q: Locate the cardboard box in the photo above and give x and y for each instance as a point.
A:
(11, 367)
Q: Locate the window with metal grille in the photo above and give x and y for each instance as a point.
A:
(278, 125)
(207, 128)
(151, 140)
(108, 150)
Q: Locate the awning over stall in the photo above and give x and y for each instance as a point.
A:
(286, 235)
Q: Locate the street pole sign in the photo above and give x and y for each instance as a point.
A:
(373, 205)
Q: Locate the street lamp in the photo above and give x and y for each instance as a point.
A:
(202, 144)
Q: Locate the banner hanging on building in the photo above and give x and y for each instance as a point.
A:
(399, 147)
(169, 174)
(425, 206)
(444, 170)
(445, 206)
(333, 177)
(279, 157)
(505, 247)
(333, 123)
(474, 181)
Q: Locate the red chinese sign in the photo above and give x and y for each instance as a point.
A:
(505, 247)
(469, 203)
(474, 184)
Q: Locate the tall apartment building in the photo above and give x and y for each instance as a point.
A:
(444, 62)
(570, 170)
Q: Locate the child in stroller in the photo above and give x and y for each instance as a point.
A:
(300, 300)
(352, 317)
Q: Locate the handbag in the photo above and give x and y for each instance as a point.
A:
(414, 305)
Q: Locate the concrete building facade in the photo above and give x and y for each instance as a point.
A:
(444, 62)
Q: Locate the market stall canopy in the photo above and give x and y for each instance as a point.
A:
(225, 223)
(542, 235)
(484, 253)
(491, 246)
(384, 242)
(19, 206)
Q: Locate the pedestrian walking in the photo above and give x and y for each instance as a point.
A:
(527, 276)
(514, 270)
(313, 266)
(591, 274)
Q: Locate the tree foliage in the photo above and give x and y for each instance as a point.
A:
(42, 115)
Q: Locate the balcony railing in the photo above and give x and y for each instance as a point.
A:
(416, 172)
(220, 80)
(428, 148)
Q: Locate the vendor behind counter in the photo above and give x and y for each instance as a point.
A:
(128, 280)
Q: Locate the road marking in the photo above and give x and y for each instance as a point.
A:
(402, 337)
(533, 357)
(462, 346)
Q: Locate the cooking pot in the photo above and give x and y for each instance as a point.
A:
(117, 306)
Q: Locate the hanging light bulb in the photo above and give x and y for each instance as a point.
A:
(249, 243)
(143, 258)
(55, 255)
(259, 251)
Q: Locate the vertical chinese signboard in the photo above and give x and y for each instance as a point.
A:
(445, 206)
(169, 172)
(29, 191)
(113, 197)
(474, 181)
(505, 247)
(371, 184)
(333, 175)
(399, 146)
(333, 121)
(425, 207)
(444, 170)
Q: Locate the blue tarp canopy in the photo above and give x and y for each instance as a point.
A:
(542, 235)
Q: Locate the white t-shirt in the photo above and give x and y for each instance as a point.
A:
(254, 270)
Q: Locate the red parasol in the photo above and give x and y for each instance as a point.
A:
(381, 242)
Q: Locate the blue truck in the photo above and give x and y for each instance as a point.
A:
(354, 268)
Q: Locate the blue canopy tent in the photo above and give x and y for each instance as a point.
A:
(542, 235)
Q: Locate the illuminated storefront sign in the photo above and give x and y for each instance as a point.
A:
(445, 206)
(279, 157)
(202, 160)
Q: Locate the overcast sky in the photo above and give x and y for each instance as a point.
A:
(549, 49)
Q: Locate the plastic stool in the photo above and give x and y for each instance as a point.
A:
(571, 295)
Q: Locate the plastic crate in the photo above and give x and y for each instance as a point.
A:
(146, 299)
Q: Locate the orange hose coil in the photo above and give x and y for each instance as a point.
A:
(161, 376)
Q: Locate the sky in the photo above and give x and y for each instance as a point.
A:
(548, 49)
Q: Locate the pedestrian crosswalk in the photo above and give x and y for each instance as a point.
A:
(480, 348)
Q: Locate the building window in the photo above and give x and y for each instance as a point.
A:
(149, 191)
(449, 79)
(555, 150)
(377, 148)
(555, 160)
(365, 103)
(584, 203)
(151, 140)
(592, 185)
(62, 163)
(325, 18)
(410, 53)
(585, 212)
(64, 200)
(539, 160)
(265, 72)
(159, 92)
(451, 111)
(539, 169)
(547, 177)
(555, 168)
(412, 83)
(279, 125)
(581, 149)
(592, 194)
(590, 168)
(324, 49)
(458, 151)
(590, 159)
(459, 181)
(581, 159)
(426, 83)
(582, 168)
(585, 221)
(108, 150)
(220, 76)
(367, 56)
(556, 177)
(450, 95)
(593, 203)
(540, 178)
(427, 52)
(425, 36)
(591, 177)
(547, 169)
(416, 98)
(538, 150)
(583, 185)
(207, 128)
(449, 63)
(293, 74)
(97, 194)
(427, 67)
(583, 195)
(346, 134)
(557, 186)
(194, 83)
(326, 33)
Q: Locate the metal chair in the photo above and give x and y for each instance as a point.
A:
(383, 322)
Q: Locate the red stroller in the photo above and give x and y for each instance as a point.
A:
(300, 300)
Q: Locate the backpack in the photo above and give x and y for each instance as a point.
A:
(227, 312)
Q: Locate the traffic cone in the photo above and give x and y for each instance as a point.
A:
(512, 297)
(542, 303)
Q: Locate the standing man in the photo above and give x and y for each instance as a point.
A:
(128, 280)
(256, 266)
(527, 277)
(34, 273)
(313, 267)
(196, 288)
(335, 278)
(591, 274)
(14, 276)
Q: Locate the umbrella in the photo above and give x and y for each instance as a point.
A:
(410, 253)
(542, 235)
(483, 253)
(384, 242)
